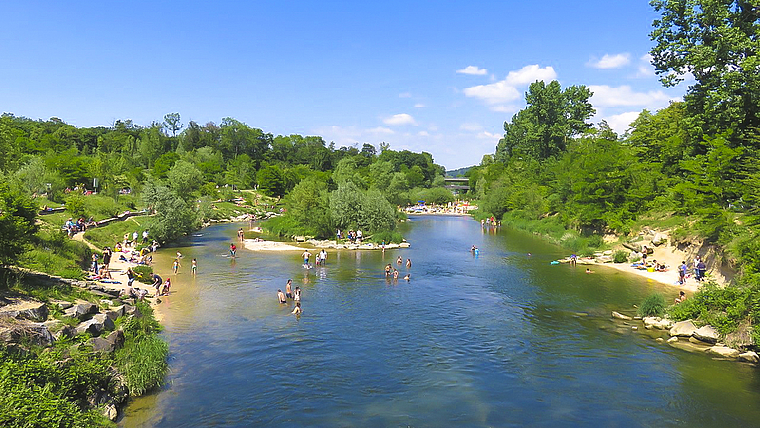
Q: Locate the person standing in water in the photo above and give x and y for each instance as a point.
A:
(241, 234)
(323, 256)
(194, 267)
(399, 261)
(281, 296)
(306, 255)
(233, 249)
(408, 263)
(297, 295)
(288, 289)
(175, 266)
(297, 310)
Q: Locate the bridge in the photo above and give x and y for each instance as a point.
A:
(457, 184)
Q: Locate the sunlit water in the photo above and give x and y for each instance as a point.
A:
(502, 339)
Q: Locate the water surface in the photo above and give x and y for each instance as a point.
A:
(501, 339)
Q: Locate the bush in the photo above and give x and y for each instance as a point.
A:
(652, 306)
(387, 236)
(620, 256)
(143, 274)
(142, 360)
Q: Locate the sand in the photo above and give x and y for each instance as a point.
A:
(257, 245)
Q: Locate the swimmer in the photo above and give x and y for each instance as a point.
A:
(297, 310)
(408, 263)
(288, 290)
(179, 255)
(281, 296)
(408, 277)
(589, 270)
(388, 270)
(473, 248)
(395, 274)
(399, 261)
(297, 295)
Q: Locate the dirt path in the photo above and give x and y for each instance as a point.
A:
(79, 236)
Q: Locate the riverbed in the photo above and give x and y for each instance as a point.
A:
(495, 339)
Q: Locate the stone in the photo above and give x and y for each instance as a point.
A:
(66, 332)
(707, 334)
(36, 334)
(659, 239)
(116, 338)
(741, 338)
(724, 351)
(115, 313)
(659, 339)
(695, 341)
(62, 304)
(620, 316)
(750, 357)
(106, 302)
(96, 325)
(404, 245)
(111, 412)
(26, 310)
(101, 345)
(634, 328)
(673, 339)
(683, 329)
(82, 311)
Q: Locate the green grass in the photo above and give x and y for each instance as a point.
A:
(56, 254)
(652, 306)
(112, 233)
(142, 360)
(553, 229)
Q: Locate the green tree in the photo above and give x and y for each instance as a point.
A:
(542, 129)
(271, 181)
(717, 42)
(376, 213)
(185, 178)
(172, 123)
(173, 216)
(17, 224)
(345, 205)
(308, 203)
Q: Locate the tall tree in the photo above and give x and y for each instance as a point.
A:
(542, 128)
(717, 41)
(172, 122)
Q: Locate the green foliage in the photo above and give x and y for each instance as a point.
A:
(652, 306)
(386, 236)
(143, 274)
(17, 224)
(41, 392)
(142, 360)
(56, 254)
(174, 217)
(620, 256)
(725, 308)
(271, 181)
(184, 179)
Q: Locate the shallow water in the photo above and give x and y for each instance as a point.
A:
(501, 339)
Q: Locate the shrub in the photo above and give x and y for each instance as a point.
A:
(620, 256)
(142, 360)
(387, 236)
(143, 274)
(652, 306)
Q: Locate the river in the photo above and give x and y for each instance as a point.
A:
(501, 339)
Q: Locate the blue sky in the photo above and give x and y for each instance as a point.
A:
(435, 76)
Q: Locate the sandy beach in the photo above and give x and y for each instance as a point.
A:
(258, 245)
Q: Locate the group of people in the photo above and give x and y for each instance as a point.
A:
(73, 227)
(352, 236)
(290, 293)
(391, 272)
(699, 267)
(490, 222)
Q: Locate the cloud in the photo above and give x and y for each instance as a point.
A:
(399, 119)
(380, 130)
(611, 61)
(645, 68)
(621, 122)
(472, 70)
(505, 91)
(470, 127)
(405, 95)
(624, 96)
(423, 134)
(419, 105)
(489, 136)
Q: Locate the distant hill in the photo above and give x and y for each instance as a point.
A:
(459, 172)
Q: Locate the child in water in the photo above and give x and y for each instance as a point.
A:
(233, 250)
(195, 267)
(175, 266)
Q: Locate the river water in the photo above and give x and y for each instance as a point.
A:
(501, 339)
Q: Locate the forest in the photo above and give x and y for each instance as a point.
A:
(691, 167)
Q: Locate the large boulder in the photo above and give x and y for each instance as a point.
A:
(741, 338)
(115, 313)
(82, 311)
(23, 332)
(707, 334)
(750, 357)
(683, 329)
(101, 345)
(96, 325)
(724, 351)
(657, 322)
(659, 239)
(28, 310)
(116, 338)
(66, 331)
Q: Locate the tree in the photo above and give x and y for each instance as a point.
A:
(717, 42)
(271, 181)
(17, 224)
(185, 178)
(172, 123)
(345, 205)
(541, 130)
(174, 217)
(308, 203)
(377, 214)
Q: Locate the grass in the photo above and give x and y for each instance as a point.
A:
(652, 306)
(56, 254)
(142, 360)
(554, 230)
(112, 233)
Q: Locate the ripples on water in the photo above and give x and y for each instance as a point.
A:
(496, 340)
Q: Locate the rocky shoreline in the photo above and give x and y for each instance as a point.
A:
(685, 335)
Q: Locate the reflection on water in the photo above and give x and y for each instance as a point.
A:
(500, 339)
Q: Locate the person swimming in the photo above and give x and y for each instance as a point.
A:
(408, 277)
(388, 270)
(297, 310)
(399, 261)
(408, 263)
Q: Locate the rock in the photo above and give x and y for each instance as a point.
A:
(620, 316)
(633, 327)
(82, 311)
(659, 239)
(96, 325)
(107, 302)
(101, 345)
(673, 339)
(741, 338)
(659, 339)
(111, 412)
(116, 338)
(34, 333)
(404, 245)
(657, 322)
(638, 318)
(707, 334)
(27, 310)
(115, 313)
(750, 357)
(724, 351)
(132, 310)
(683, 329)
(607, 252)
(62, 304)
(696, 341)
(66, 332)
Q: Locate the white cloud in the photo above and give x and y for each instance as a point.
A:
(405, 95)
(423, 134)
(470, 127)
(611, 61)
(419, 105)
(489, 136)
(399, 119)
(624, 96)
(505, 91)
(506, 109)
(472, 70)
(645, 68)
(621, 122)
